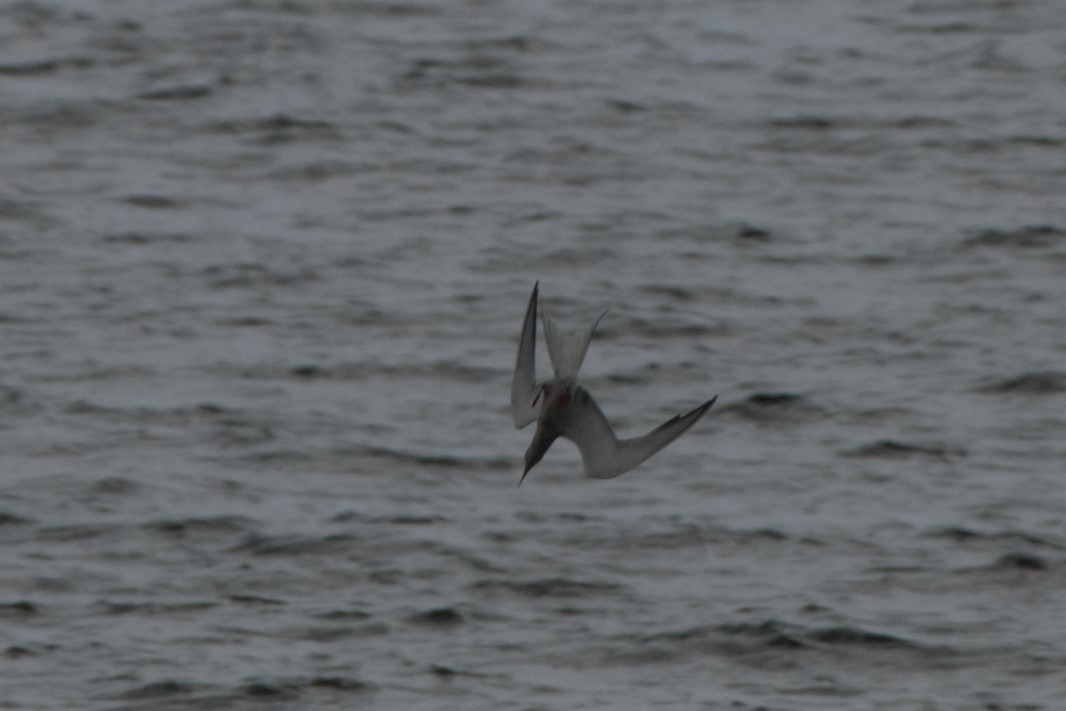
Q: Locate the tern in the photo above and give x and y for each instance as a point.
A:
(562, 408)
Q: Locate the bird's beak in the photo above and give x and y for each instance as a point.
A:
(524, 472)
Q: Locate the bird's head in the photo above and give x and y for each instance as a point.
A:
(534, 454)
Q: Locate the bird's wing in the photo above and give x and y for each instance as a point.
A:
(524, 382)
(567, 350)
(603, 454)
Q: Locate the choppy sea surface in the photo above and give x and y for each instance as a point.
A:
(263, 264)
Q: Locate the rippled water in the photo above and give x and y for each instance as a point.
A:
(263, 266)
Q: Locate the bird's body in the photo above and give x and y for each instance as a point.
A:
(562, 408)
(556, 413)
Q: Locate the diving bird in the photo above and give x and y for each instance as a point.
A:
(562, 408)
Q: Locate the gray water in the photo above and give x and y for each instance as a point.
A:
(263, 265)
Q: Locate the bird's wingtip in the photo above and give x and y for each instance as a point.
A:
(702, 409)
(705, 406)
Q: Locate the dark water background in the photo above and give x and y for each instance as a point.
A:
(262, 270)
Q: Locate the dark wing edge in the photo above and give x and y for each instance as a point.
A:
(524, 381)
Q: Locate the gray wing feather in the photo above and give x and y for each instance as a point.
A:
(567, 350)
(524, 382)
(603, 454)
